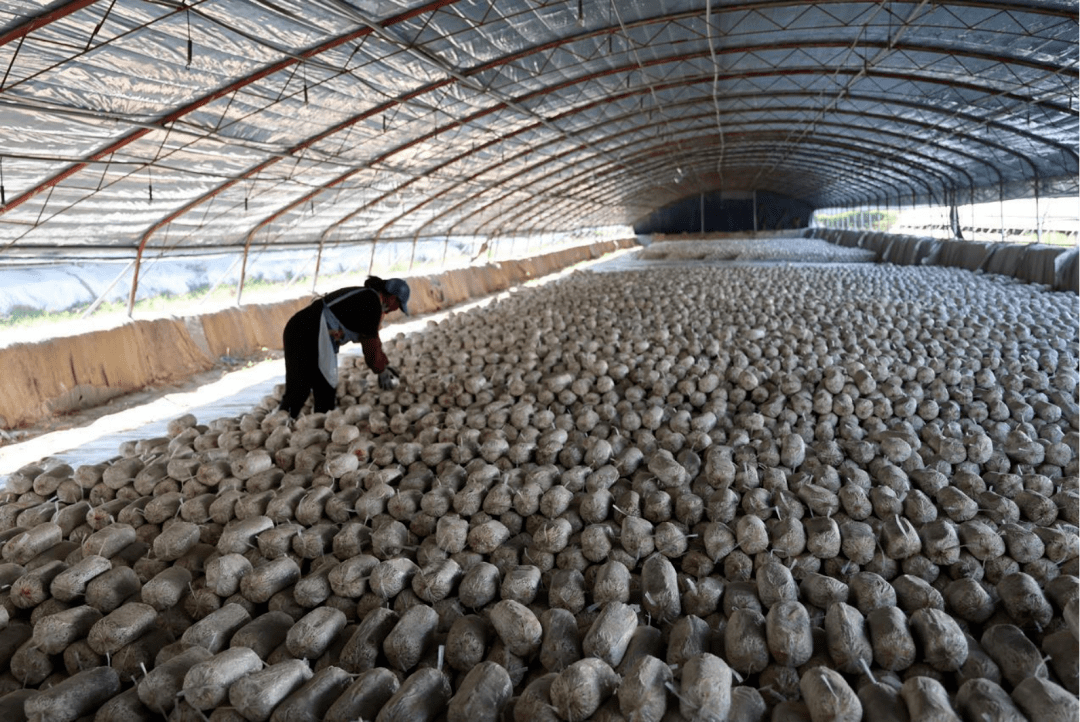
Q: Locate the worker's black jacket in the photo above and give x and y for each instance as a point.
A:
(360, 313)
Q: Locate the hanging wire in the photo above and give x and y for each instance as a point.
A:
(632, 52)
(11, 64)
(190, 50)
(715, 93)
(249, 188)
(97, 28)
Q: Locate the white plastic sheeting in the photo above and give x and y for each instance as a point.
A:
(161, 124)
(64, 286)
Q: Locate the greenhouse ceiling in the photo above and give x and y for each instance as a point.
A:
(169, 124)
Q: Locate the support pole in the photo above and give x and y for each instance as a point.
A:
(101, 297)
(243, 268)
(1001, 207)
(954, 216)
(135, 281)
(412, 256)
(754, 208)
(318, 264)
(971, 196)
(206, 296)
(1038, 213)
(299, 273)
(371, 261)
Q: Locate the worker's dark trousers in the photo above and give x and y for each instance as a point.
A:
(302, 375)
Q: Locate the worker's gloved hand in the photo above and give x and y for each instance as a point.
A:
(388, 378)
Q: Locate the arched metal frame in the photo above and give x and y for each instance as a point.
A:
(137, 125)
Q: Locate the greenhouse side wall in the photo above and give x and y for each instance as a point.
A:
(1053, 266)
(69, 373)
(74, 372)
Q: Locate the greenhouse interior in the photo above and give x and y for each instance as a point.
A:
(463, 361)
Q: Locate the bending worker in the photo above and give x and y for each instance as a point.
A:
(314, 334)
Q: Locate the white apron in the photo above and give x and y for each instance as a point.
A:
(328, 348)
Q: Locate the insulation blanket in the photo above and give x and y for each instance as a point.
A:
(76, 372)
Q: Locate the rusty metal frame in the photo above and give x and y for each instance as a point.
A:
(551, 89)
(589, 149)
(765, 109)
(220, 93)
(21, 30)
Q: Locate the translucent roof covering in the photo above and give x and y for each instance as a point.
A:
(173, 124)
